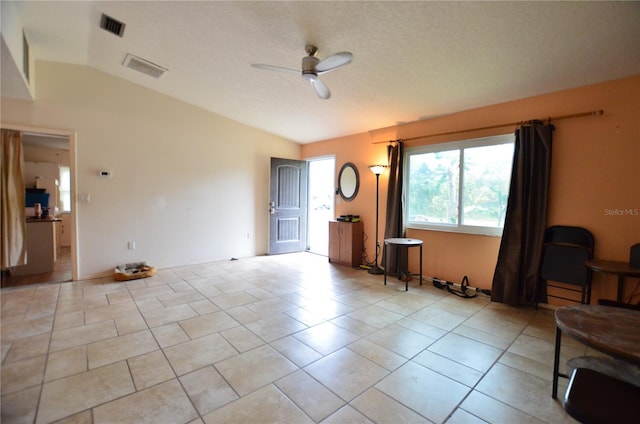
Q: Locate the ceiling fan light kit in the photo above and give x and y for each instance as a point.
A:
(312, 67)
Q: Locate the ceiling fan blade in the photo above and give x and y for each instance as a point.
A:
(275, 68)
(321, 88)
(334, 61)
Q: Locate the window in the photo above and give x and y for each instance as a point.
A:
(461, 186)
(65, 189)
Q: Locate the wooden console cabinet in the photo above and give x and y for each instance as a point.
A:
(345, 243)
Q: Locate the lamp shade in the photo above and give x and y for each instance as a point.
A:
(377, 169)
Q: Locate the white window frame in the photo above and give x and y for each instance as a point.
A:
(455, 145)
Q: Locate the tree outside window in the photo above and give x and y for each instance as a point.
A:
(461, 186)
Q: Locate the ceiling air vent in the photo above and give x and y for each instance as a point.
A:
(148, 68)
(111, 25)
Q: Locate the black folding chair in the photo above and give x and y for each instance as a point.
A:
(565, 251)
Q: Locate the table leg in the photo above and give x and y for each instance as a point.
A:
(556, 364)
(420, 264)
(386, 262)
(406, 276)
(620, 287)
(407, 273)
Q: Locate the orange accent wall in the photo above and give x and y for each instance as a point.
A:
(595, 177)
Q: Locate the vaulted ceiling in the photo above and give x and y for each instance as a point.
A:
(412, 60)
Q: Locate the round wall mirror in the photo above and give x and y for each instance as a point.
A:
(348, 181)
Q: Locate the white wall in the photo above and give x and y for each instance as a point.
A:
(13, 79)
(188, 186)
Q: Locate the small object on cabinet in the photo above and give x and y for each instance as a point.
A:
(348, 218)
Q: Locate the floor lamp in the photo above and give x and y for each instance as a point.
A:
(377, 169)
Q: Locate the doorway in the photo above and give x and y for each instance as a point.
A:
(321, 179)
(48, 152)
(302, 204)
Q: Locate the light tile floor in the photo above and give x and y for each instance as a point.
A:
(287, 338)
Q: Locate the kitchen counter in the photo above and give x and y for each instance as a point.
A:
(41, 246)
(33, 219)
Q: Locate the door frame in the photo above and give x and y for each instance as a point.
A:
(72, 137)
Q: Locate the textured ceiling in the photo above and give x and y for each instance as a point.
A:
(412, 60)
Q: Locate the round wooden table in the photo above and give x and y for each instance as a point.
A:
(406, 243)
(611, 330)
(621, 269)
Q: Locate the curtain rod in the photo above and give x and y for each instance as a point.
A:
(597, 112)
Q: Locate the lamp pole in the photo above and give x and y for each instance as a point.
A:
(377, 170)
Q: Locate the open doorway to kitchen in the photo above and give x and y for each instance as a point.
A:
(321, 180)
(48, 166)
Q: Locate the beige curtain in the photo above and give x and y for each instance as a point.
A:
(13, 223)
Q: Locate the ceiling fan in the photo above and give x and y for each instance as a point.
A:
(312, 67)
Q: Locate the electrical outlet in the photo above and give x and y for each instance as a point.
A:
(131, 245)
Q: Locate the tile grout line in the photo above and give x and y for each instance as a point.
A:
(250, 277)
(496, 361)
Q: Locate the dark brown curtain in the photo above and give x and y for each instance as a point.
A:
(516, 275)
(394, 222)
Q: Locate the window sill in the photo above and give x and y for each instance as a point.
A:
(463, 229)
